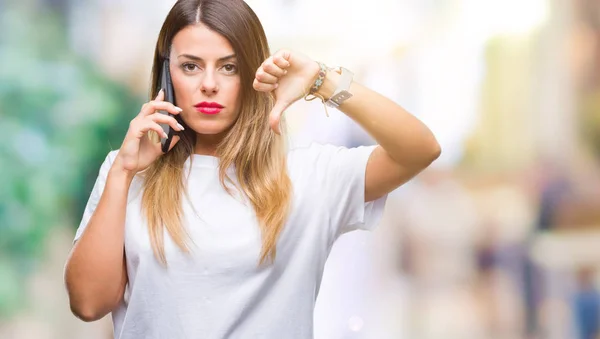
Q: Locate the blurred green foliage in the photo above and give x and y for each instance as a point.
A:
(59, 117)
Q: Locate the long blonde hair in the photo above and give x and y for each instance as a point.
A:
(256, 152)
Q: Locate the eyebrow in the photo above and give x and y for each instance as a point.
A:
(199, 59)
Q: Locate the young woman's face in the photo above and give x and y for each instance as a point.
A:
(206, 80)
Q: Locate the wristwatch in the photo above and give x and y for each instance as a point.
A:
(341, 93)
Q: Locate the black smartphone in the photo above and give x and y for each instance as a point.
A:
(167, 85)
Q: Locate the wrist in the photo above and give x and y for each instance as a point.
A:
(331, 86)
(119, 173)
(330, 83)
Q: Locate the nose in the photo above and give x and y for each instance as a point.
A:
(209, 84)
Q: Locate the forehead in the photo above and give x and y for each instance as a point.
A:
(200, 41)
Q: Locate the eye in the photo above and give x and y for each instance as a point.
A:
(188, 67)
(230, 68)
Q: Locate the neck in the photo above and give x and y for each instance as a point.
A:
(207, 144)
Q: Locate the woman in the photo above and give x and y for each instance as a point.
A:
(226, 235)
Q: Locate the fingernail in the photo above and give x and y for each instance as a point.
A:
(178, 109)
(180, 127)
(160, 91)
(276, 85)
(165, 135)
(285, 71)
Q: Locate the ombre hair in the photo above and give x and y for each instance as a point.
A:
(250, 146)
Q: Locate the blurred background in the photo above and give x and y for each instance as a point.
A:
(500, 238)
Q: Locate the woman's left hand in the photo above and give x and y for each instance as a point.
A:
(290, 75)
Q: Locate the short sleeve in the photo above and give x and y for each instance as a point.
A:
(97, 190)
(341, 172)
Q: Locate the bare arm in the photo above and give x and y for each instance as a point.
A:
(95, 273)
(407, 146)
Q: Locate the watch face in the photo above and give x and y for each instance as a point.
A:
(341, 92)
(342, 96)
(339, 98)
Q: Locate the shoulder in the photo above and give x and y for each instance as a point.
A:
(317, 153)
(305, 163)
(312, 152)
(108, 161)
(322, 160)
(110, 157)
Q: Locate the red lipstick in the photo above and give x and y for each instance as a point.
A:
(208, 107)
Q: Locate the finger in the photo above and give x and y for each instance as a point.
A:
(267, 78)
(280, 61)
(160, 96)
(153, 106)
(282, 58)
(275, 116)
(144, 126)
(165, 119)
(262, 87)
(269, 67)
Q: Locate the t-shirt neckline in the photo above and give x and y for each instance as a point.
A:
(201, 160)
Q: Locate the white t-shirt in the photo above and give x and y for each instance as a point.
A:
(218, 291)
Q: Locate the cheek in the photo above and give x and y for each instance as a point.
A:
(184, 88)
(235, 92)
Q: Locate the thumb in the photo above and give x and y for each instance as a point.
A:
(275, 116)
(284, 54)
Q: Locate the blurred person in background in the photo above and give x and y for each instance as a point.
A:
(226, 235)
(586, 304)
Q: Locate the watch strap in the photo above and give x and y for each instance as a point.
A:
(341, 93)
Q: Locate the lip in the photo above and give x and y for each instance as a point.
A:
(208, 107)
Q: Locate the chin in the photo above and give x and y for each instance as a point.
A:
(209, 127)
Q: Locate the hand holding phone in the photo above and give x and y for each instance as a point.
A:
(158, 120)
